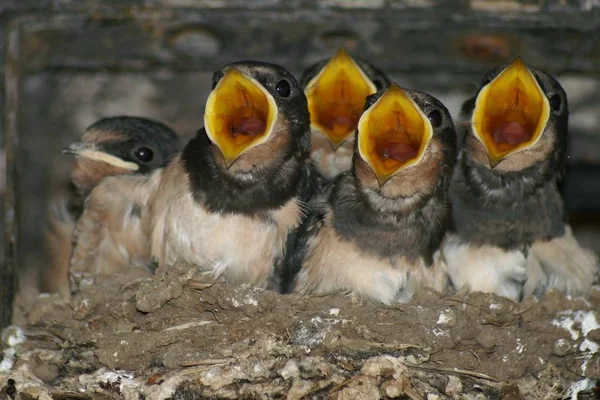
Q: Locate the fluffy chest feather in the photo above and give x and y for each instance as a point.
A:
(330, 161)
(333, 264)
(234, 247)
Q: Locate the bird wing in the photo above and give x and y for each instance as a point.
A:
(111, 234)
(565, 265)
(314, 193)
(58, 242)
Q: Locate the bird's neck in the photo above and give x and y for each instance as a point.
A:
(253, 194)
(508, 209)
(401, 227)
(496, 185)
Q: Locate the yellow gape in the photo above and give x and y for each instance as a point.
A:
(336, 97)
(393, 134)
(240, 114)
(510, 113)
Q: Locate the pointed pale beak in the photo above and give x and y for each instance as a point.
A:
(90, 151)
(393, 134)
(336, 97)
(510, 113)
(240, 114)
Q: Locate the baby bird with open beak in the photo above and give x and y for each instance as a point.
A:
(237, 193)
(336, 90)
(376, 230)
(111, 146)
(510, 234)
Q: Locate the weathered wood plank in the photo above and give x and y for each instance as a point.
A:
(10, 142)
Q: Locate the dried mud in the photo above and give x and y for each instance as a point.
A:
(170, 337)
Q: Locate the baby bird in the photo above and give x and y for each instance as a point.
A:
(377, 228)
(336, 90)
(229, 203)
(509, 232)
(111, 146)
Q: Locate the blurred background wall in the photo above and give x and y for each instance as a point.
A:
(67, 63)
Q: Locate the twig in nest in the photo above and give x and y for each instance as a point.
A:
(456, 371)
(197, 369)
(187, 325)
(476, 356)
(465, 303)
(363, 344)
(197, 285)
(214, 314)
(130, 284)
(523, 311)
(69, 395)
(342, 384)
(216, 361)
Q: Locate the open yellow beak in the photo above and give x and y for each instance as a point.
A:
(393, 134)
(336, 97)
(240, 114)
(510, 113)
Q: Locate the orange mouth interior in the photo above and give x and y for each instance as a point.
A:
(510, 112)
(393, 134)
(240, 114)
(336, 97)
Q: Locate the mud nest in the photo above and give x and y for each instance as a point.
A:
(172, 337)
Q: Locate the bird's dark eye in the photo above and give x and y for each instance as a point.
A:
(435, 117)
(555, 102)
(283, 88)
(144, 154)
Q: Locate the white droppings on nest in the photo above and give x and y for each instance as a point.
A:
(495, 306)
(309, 336)
(568, 318)
(188, 325)
(11, 337)
(245, 301)
(439, 332)
(445, 317)
(246, 296)
(115, 376)
(578, 387)
(290, 370)
(505, 358)
(129, 387)
(8, 360)
(334, 311)
(328, 321)
(250, 301)
(588, 322)
(588, 345)
(520, 346)
(591, 348)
